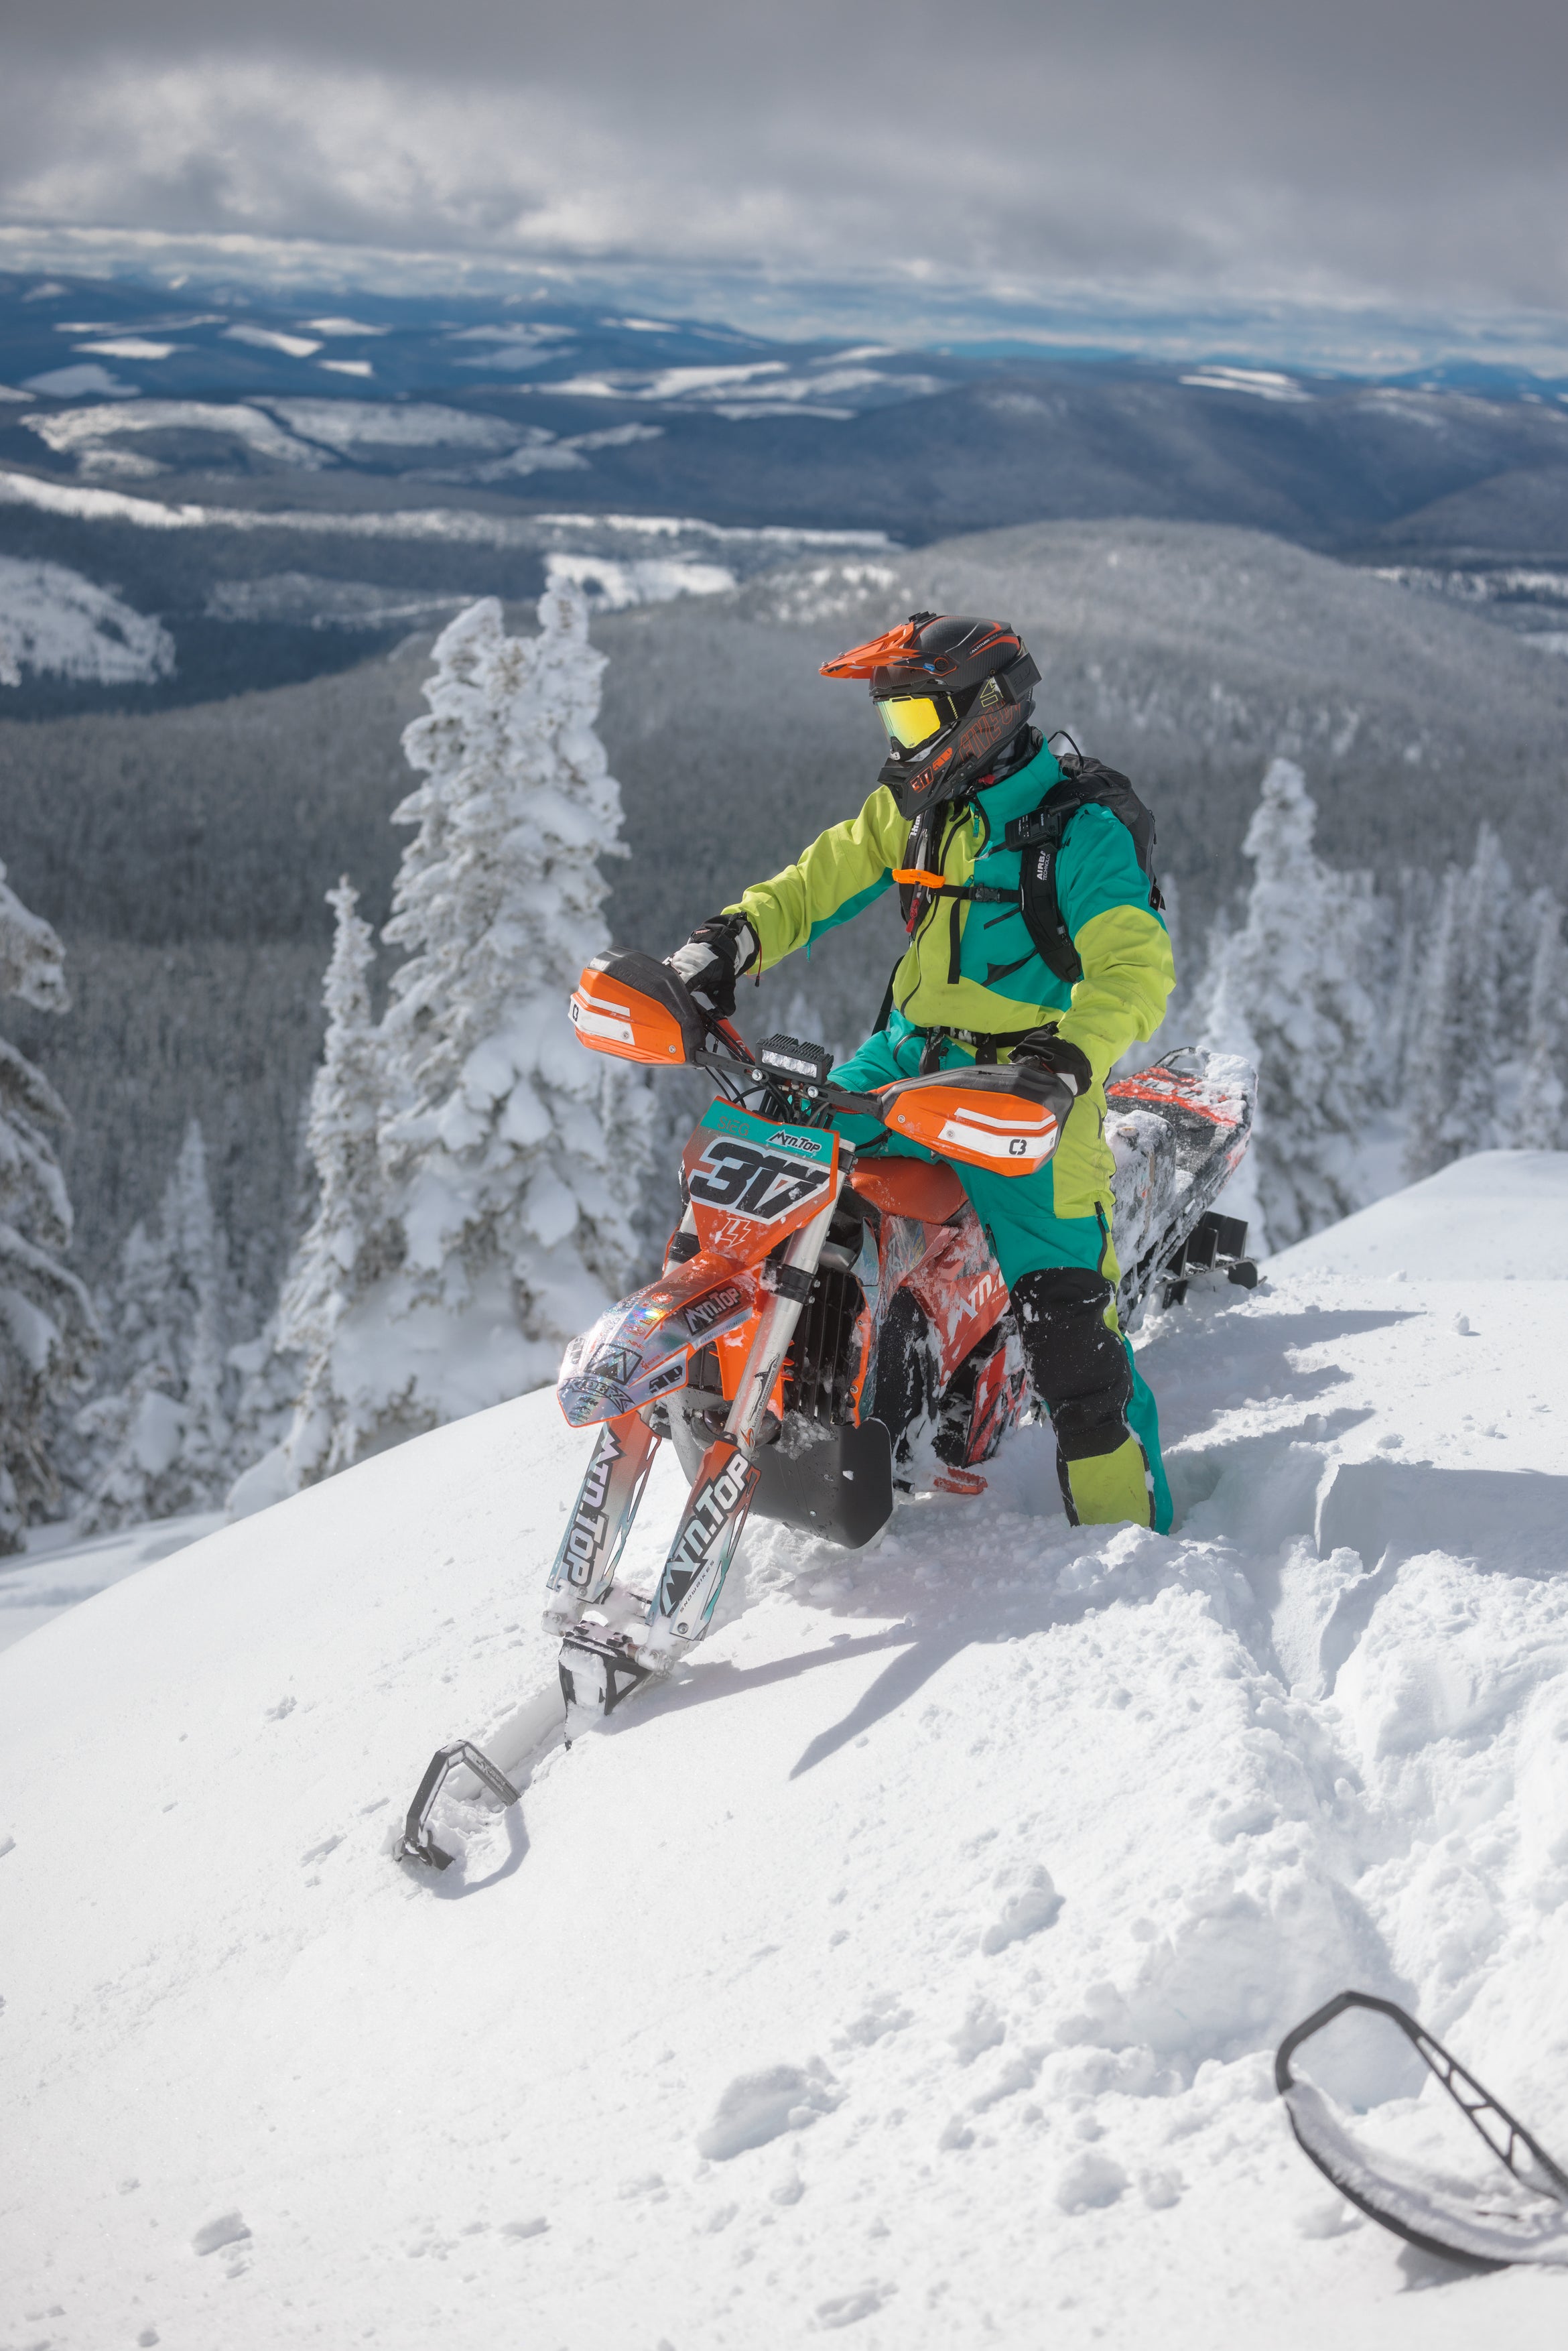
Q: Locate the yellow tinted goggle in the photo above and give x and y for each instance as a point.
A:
(912, 719)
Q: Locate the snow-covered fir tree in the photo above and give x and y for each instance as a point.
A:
(500, 1215)
(161, 1436)
(1488, 887)
(1433, 1134)
(1286, 992)
(348, 1245)
(1459, 1037)
(49, 1334)
(1538, 1121)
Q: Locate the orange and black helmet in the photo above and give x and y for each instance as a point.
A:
(953, 694)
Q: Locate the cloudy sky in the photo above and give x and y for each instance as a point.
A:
(1379, 155)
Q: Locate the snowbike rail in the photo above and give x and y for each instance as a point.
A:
(1487, 2233)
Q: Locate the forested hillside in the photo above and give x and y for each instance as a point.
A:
(185, 855)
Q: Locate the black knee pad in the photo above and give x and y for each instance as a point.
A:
(1077, 1361)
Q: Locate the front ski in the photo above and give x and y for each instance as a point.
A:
(599, 1667)
(416, 1844)
(595, 1537)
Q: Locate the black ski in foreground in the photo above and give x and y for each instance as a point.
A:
(1526, 2220)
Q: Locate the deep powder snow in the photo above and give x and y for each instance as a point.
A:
(913, 1964)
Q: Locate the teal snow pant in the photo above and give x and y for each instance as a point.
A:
(1019, 1214)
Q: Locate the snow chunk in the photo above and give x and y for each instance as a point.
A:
(757, 2107)
(1033, 1906)
(1089, 2183)
(228, 2229)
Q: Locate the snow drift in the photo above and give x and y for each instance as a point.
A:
(913, 1965)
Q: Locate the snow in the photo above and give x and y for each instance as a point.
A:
(83, 430)
(1498, 1216)
(914, 1963)
(1261, 382)
(133, 347)
(76, 382)
(54, 621)
(268, 338)
(389, 424)
(610, 586)
(305, 600)
(59, 1570)
(458, 525)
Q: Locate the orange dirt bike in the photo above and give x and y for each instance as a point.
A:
(825, 1314)
(830, 1323)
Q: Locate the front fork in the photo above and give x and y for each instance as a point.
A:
(601, 1520)
(720, 1498)
(726, 1485)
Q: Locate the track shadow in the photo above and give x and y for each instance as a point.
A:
(1422, 2271)
(720, 1679)
(1225, 1360)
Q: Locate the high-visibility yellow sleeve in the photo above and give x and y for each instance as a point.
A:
(843, 870)
(1128, 975)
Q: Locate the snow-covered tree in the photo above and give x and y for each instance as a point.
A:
(1458, 1038)
(1433, 1134)
(49, 1334)
(1286, 992)
(162, 1434)
(347, 1246)
(1488, 888)
(1538, 1121)
(500, 1215)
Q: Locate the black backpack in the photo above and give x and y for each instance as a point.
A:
(1085, 783)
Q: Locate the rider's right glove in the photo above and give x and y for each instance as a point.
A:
(713, 958)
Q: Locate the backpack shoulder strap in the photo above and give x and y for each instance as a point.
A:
(1085, 783)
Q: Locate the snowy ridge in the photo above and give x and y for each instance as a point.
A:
(914, 1963)
(54, 621)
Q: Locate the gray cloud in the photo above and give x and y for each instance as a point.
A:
(1395, 151)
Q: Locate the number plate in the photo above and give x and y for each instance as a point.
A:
(753, 1181)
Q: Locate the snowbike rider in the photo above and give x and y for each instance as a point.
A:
(955, 694)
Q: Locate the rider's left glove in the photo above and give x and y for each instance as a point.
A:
(713, 958)
(1049, 1051)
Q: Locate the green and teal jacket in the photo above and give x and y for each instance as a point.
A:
(1002, 984)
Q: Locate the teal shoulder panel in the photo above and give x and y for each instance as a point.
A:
(1097, 868)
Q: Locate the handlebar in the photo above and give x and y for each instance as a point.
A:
(818, 1090)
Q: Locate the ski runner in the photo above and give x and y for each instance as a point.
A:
(955, 694)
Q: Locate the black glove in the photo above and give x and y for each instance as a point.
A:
(1049, 1051)
(713, 958)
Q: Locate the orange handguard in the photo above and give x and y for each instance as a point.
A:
(1004, 1119)
(637, 1008)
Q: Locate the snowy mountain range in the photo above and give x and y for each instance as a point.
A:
(913, 1964)
(318, 478)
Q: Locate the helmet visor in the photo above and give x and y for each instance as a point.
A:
(912, 719)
